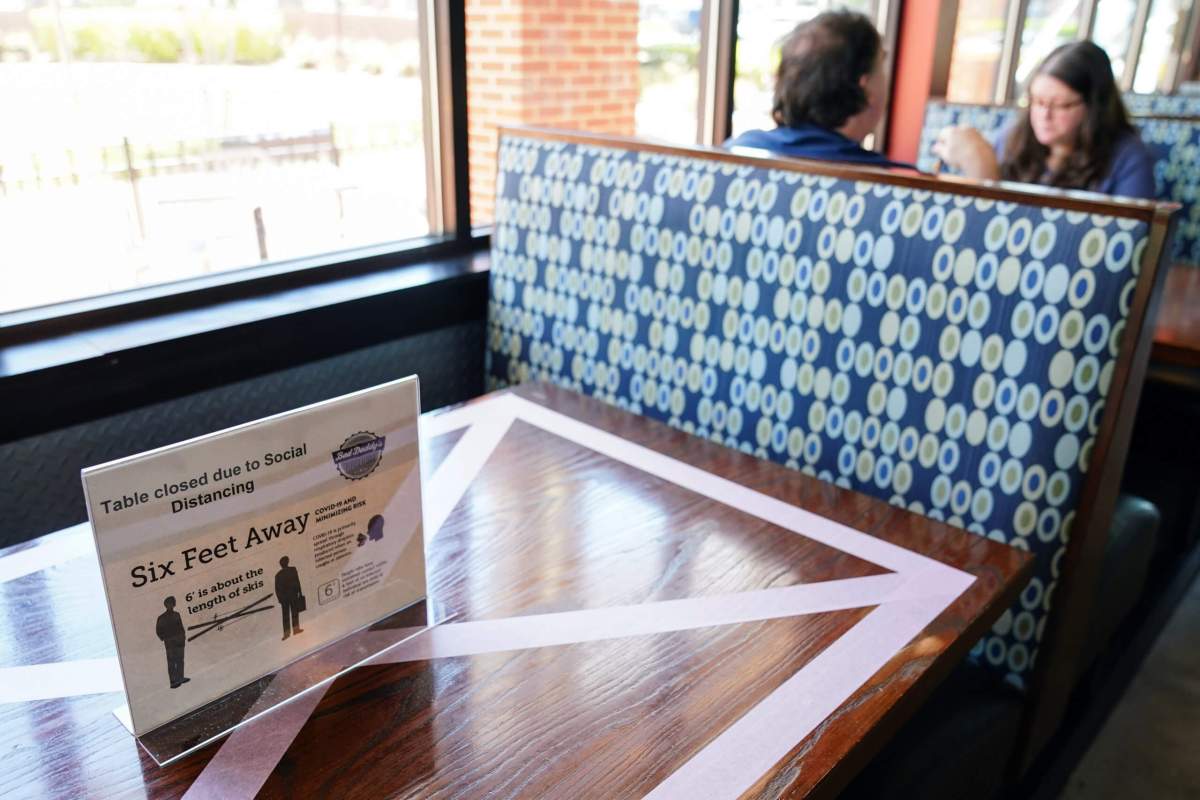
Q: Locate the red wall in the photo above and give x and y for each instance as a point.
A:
(914, 73)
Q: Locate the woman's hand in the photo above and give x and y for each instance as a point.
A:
(964, 148)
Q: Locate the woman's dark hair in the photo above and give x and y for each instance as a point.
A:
(1084, 67)
(820, 66)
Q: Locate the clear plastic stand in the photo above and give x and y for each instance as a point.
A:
(207, 724)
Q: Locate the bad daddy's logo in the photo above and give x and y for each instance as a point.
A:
(359, 455)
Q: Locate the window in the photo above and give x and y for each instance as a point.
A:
(978, 44)
(1151, 32)
(761, 28)
(620, 67)
(668, 40)
(1161, 45)
(146, 143)
(1112, 30)
(1048, 24)
(150, 141)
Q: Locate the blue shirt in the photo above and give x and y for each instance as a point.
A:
(812, 141)
(1131, 173)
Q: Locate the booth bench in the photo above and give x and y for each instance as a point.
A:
(974, 354)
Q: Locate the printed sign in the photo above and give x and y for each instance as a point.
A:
(228, 556)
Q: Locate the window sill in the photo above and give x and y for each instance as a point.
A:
(65, 378)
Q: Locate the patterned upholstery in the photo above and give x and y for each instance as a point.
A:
(1162, 105)
(1175, 143)
(948, 354)
(988, 120)
(1176, 147)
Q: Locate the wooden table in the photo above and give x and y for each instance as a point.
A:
(707, 647)
(1177, 333)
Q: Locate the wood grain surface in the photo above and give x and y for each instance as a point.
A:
(1177, 332)
(547, 526)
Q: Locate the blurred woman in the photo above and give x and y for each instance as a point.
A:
(1075, 133)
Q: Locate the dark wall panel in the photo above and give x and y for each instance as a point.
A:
(40, 489)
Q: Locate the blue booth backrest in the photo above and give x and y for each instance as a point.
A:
(1176, 147)
(947, 353)
(1174, 143)
(1162, 105)
(991, 120)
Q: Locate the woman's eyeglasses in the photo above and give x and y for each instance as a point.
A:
(1053, 106)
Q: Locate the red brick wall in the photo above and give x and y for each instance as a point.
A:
(556, 63)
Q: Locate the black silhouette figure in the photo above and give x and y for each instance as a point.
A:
(290, 596)
(170, 630)
(375, 528)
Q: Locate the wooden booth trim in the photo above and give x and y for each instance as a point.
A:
(1002, 191)
(1067, 624)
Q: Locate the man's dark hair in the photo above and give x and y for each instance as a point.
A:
(820, 66)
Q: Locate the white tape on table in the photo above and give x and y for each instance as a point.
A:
(59, 548)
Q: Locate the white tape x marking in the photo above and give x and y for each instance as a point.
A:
(905, 602)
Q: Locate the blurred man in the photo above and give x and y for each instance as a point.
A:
(830, 92)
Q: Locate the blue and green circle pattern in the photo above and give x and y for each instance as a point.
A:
(1162, 105)
(1173, 143)
(946, 353)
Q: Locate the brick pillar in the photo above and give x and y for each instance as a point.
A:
(553, 63)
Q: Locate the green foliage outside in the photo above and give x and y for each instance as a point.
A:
(257, 46)
(95, 43)
(159, 39)
(757, 65)
(155, 45)
(663, 62)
